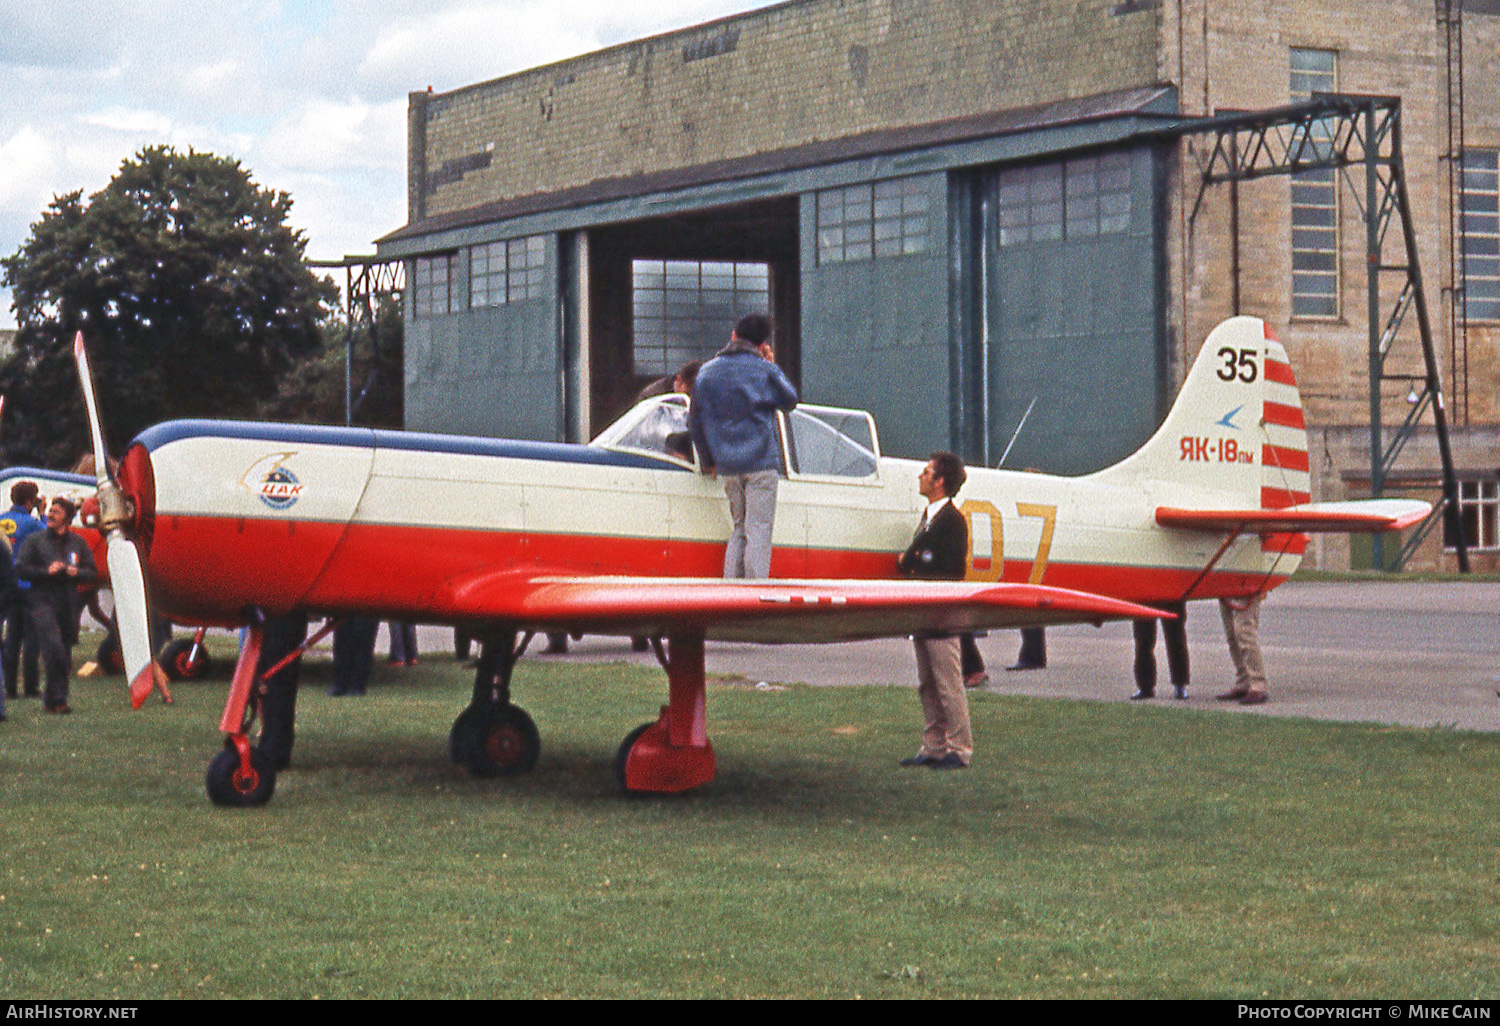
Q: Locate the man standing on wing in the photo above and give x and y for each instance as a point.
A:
(732, 418)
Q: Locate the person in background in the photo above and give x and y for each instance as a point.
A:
(276, 698)
(1242, 630)
(403, 643)
(939, 551)
(1174, 639)
(55, 562)
(353, 655)
(17, 524)
(1033, 655)
(973, 661)
(680, 382)
(8, 593)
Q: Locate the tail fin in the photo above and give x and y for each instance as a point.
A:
(1235, 437)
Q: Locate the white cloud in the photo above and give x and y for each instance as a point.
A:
(119, 119)
(310, 95)
(29, 159)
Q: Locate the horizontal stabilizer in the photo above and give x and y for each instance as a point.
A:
(1366, 516)
(772, 611)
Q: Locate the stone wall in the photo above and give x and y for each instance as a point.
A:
(797, 73)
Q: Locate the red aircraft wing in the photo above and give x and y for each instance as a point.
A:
(793, 611)
(1358, 515)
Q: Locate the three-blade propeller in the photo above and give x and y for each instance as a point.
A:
(126, 578)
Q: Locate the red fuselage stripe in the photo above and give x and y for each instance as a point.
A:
(392, 571)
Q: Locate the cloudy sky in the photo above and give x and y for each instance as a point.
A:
(309, 95)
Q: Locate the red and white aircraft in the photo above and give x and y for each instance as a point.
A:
(236, 522)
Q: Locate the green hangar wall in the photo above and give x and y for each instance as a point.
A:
(953, 208)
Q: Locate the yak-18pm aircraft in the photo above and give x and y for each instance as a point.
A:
(233, 523)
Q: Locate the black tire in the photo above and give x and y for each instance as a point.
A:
(508, 745)
(224, 790)
(467, 734)
(109, 657)
(623, 753)
(177, 660)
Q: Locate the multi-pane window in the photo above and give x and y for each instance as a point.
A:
(432, 285)
(876, 219)
(507, 272)
(1479, 512)
(1315, 212)
(1481, 234)
(685, 309)
(1076, 199)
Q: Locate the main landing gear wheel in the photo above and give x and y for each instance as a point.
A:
(177, 659)
(109, 656)
(227, 785)
(623, 754)
(498, 742)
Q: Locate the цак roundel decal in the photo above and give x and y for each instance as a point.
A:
(273, 482)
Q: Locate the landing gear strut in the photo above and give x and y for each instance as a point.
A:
(491, 737)
(673, 754)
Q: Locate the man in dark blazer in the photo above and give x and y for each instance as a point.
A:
(940, 551)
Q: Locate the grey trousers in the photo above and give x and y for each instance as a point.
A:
(752, 507)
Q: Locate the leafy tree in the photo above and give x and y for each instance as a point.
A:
(190, 290)
(314, 390)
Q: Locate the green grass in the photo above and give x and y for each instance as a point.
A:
(1094, 850)
(1307, 575)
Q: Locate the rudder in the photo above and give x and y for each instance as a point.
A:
(1235, 436)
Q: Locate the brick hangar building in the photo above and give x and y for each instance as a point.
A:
(959, 210)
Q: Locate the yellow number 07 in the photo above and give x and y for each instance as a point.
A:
(996, 568)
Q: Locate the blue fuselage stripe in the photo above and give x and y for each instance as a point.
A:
(155, 437)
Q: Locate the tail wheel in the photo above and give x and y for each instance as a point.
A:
(508, 744)
(229, 785)
(177, 659)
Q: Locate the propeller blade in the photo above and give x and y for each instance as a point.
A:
(81, 357)
(129, 585)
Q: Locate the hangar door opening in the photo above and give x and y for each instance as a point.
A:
(1074, 310)
(667, 290)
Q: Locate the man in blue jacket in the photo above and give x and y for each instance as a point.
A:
(732, 417)
(18, 523)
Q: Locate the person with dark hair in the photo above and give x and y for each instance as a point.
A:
(1241, 618)
(55, 562)
(1174, 639)
(403, 650)
(975, 675)
(732, 419)
(17, 524)
(1033, 655)
(939, 551)
(353, 655)
(276, 697)
(680, 382)
(8, 593)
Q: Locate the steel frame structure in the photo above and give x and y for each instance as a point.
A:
(367, 280)
(1342, 132)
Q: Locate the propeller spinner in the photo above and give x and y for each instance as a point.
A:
(126, 578)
